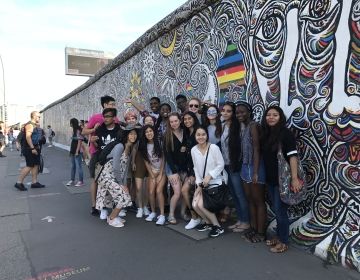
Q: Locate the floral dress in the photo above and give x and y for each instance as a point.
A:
(110, 193)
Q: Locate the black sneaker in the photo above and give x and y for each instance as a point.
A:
(37, 185)
(20, 187)
(203, 227)
(95, 212)
(216, 231)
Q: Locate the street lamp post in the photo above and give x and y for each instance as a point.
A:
(4, 100)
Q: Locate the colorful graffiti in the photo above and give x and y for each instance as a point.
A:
(301, 54)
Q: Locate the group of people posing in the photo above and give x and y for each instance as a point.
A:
(198, 150)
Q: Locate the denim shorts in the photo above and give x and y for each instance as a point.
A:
(247, 171)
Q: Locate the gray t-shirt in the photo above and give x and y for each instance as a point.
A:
(212, 138)
(225, 144)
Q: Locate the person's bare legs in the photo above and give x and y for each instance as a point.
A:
(34, 173)
(23, 173)
(160, 195)
(185, 191)
(139, 192)
(152, 187)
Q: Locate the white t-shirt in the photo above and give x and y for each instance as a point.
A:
(155, 161)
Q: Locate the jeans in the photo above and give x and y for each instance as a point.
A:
(238, 194)
(76, 165)
(280, 210)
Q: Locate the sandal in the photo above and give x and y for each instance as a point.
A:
(249, 234)
(272, 242)
(241, 228)
(172, 220)
(234, 226)
(279, 248)
(256, 238)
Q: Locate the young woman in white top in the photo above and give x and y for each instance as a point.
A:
(213, 178)
(154, 161)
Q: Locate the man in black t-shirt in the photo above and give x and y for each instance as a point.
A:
(109, 130)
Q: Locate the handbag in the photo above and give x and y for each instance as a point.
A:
(216, 198)
(286, 194)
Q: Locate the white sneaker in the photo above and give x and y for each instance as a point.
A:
(50, 146)
(160, 220)
(122, 213)
(151, 217)
(79, 184)
(103, 214)
(139, 213)
(70, 183)
(115, 222)
(146, 211)
(193, 223)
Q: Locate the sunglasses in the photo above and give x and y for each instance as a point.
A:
(194, 105)
(108, 116)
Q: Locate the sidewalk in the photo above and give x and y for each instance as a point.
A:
(49, 234)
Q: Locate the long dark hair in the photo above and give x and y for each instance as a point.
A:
(74, 123)
(234, 139)
(270, 137)
(123, 135)
(143, 144)
(218, 128)
(196, 122)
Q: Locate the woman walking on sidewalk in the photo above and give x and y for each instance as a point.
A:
(76, 153)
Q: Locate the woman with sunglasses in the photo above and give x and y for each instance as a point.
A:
(194, 106)
(230, 148)
(190, 122)
(213, 124)
(175, 156)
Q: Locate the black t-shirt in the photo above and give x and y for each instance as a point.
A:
(106, 135)
(288, 144)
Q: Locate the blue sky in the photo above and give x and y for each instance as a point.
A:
(34, 34)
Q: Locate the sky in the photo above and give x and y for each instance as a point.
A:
(34, 34)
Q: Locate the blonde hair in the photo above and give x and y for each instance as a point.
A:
(169, 142)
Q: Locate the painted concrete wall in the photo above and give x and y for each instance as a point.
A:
(301, 54)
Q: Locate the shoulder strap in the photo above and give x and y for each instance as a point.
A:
(207, 154)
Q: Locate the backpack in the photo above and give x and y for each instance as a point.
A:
(52, 133)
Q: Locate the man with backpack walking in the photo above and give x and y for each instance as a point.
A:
(30, 143)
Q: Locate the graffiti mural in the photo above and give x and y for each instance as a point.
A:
(301, 54)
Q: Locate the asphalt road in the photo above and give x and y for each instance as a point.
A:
(49, 234)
